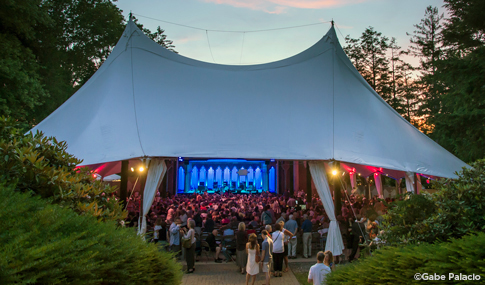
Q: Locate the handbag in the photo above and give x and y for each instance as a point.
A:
(187, 242)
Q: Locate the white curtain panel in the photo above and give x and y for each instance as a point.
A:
(409, 182)
(156, 171)
(353, 180)
(334, 237)
(378, 180)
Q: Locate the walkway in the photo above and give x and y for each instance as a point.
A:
(211, 273)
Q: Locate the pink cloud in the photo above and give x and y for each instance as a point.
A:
(314, 4)
(280, 6)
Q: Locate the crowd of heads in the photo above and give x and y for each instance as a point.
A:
(244, 211)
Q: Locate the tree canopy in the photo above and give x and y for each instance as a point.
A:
(49, 49)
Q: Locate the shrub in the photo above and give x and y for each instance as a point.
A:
(398, 265)
(456, 209)
(41, 165)
(43, 243)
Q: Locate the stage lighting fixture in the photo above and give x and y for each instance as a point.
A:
(334, 172)
(141, 169)
(132, 169)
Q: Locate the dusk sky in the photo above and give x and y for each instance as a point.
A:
(391, 17)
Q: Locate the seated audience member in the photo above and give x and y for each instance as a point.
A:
(214, 245)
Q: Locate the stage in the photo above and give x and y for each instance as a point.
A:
(226, 175)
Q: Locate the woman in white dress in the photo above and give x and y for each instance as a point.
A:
(252, 267)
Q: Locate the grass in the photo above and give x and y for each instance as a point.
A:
(302, 278)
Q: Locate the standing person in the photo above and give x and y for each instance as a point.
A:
(252, 267)
(156, 230)
(175, 235)
(358, 230)
(278, 248)
(292, 226)
(282, 218)
(266, 254)
(190, 252)
(317, 272)
(306, 227)
(241, 240)
(266, 216)
(285, 245)
(328, 260)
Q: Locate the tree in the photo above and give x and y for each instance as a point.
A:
(368, 54)
(427, 45)
(456, 209)
(458, 125)
(21, 86)
(41, 166)
(50, 48)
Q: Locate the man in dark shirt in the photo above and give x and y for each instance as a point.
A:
(214, 246)
(209, 224)
(306, 227)
(358, 229)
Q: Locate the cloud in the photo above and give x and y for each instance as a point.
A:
(280, 6)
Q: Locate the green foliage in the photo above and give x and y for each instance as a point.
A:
(42, 243)
(50, 48)
(41, 165)
(398, 265)
(456, 209)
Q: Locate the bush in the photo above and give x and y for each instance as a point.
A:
(398, 265)
(43, 243)
(41, 165)
(456, 209)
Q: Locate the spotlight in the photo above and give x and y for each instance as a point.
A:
(141, 169)
(132, 169)
(334, 172)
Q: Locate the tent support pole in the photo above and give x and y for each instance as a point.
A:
(124, 182)
(337, 190)
(143, 181)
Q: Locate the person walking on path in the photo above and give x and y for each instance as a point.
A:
(278, 248)
(266, 254)
(190, 252)
(252, 250)
(318, 272)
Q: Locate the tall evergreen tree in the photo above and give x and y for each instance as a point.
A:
(427, 45)
(369, 55)
(459, 124)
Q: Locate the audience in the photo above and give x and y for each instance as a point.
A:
(226, 218)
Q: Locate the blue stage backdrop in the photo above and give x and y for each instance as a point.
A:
(222, 175)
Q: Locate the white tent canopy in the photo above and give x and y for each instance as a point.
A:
(146, 101)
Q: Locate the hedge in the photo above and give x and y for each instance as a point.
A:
(398, 265)
(43, 243)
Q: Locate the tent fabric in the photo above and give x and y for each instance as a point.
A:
(156, 171)
(334, 238)
(378, 181)
(146, 101)
(409, 182)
